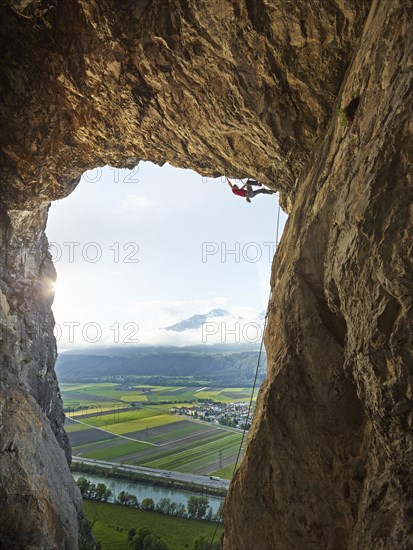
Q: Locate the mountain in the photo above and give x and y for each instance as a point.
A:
(218, 365)
(196, 321)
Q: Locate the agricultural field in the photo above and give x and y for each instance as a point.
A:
(112, 523)
(167, 442)
(110, 395)
(145, 433)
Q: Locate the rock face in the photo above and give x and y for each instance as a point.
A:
(330, 455)
(243, 88)
(235, 87)
(40, 507)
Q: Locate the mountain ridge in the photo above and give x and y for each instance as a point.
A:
(218, 365)
(197, 320)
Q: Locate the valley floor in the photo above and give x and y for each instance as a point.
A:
(112, 522)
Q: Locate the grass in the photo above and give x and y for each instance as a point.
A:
(122, 418)
(343, 118)
(177, 434)
(191, 449)
(96, 408)
(152, 436)
(225, 473)
(132, 397)
(166, 407)
(182, 452)
(71, 427)
(113, 523)
(196, 458)
(141, 424)
(99, 394)
(111, 453)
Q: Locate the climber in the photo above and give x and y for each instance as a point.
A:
(253, 182)
(247, 191)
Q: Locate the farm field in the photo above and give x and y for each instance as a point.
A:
(136, 433)
(110, 395)
(179, 444)
(113, 523)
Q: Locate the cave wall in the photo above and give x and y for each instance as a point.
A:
(40, 507)
(329, 457)
(228, 86)
(241, 88)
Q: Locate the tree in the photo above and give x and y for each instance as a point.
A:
(144, 540)
(197, 507)
(132, 501)
(164, 506)
(84, 486)
(148, 543)
(131, 534)
(137, 541)
(102, 492)
(122, 498)
(180, 511)
(219, 514)
(127, 499)
(148, 504)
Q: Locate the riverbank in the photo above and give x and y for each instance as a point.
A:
(156, 481)
(142, 492)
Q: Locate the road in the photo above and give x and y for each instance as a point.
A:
(204, 481)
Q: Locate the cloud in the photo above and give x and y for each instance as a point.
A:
(136, 202)
(143, 323)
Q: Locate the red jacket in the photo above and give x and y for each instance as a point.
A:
(239, 192)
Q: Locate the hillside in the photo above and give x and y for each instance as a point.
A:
(217, 365)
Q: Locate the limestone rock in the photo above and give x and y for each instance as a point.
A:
(235, 87)
(330, 454)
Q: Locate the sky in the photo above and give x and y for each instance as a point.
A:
(138, 250)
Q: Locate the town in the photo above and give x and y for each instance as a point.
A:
(226, 414)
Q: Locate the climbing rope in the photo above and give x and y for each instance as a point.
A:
(255, 381)
(248, 415)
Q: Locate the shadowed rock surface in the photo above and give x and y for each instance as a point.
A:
(313, 99)
(330, 455)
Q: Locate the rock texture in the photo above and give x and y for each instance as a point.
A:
(239, 87)
(236, 87)
(40, 507)
(330, 455)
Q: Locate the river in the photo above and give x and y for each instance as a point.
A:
(141, 490)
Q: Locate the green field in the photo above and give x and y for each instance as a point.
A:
(108, 395)
(75, 427)
(196, 458)
(111, 453)
(193, 448)
(113, 523)
(131, 421)
(148, 434)
(131, 424)
(225, 473)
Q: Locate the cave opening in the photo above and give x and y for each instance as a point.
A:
(156, 258)
(112, 237)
